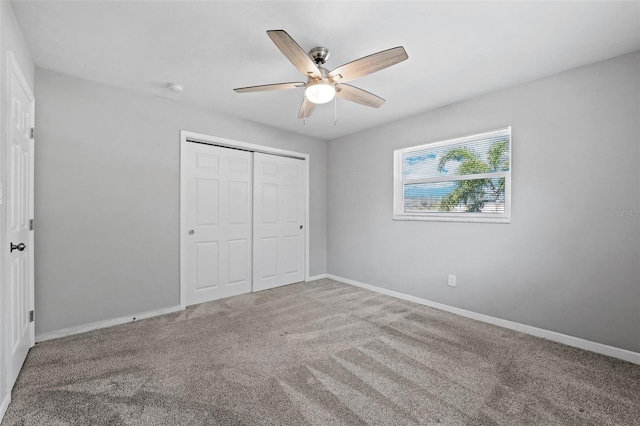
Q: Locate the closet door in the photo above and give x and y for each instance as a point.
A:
(278, 221)
(217, 228)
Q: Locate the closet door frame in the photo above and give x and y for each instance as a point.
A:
(191, 137)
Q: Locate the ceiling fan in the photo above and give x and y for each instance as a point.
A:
(323, 85)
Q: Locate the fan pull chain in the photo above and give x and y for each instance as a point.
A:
(335, 110)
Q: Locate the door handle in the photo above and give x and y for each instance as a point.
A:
(19, 247)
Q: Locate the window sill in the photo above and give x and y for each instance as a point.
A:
(440, 218)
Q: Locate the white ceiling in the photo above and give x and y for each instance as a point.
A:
(457, 50)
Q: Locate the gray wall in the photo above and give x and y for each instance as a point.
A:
(562, 264)
(107, 197)
(10, 40)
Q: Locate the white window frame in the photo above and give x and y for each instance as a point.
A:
(398, 184)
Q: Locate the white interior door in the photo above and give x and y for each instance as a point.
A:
(278, 221)
(217, 226)
(19, 271)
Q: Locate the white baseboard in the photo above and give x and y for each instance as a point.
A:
(103, 324)
(577, 342)
(5, 405)
(317, 277)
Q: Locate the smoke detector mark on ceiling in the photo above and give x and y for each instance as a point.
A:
(175, 87)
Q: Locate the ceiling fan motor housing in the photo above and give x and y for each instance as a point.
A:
(319, 54)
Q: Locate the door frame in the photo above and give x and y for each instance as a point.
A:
(191, 137)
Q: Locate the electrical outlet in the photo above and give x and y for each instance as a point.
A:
(451, 281)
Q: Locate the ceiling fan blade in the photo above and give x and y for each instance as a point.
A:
(368, 64)
(265, 87)
(294, 53)
(359, 96)
(306, 109)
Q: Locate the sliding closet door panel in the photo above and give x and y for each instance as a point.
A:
(278, 225)
(218, 218)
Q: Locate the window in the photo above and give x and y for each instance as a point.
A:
(466, 179)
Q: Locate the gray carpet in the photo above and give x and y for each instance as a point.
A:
(321, 353)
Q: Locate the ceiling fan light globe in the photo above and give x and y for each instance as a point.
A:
(320, 93)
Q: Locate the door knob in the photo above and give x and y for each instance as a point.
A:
(300, 226)
(19, 247)
(191, 232)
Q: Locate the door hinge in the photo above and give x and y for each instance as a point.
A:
(30, 316)
(32, 132)
(30, 224)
